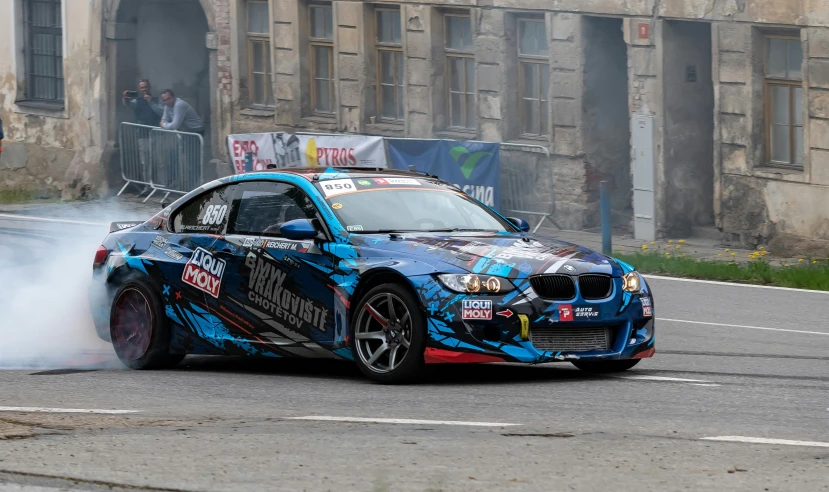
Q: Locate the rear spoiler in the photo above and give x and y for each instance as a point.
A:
(120, 226)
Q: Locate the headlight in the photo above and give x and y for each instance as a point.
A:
(476, 284)
(632, 282)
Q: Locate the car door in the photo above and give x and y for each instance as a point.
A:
(189, 272)
(280, 293)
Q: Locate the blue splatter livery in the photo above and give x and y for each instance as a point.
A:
(277, 299)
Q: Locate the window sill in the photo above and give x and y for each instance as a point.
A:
(457, 134)
(386, 129)
(531, 140)
(41, 108)
(770, 171)
(258, 112)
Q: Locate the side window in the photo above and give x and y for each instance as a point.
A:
(260, 208)
(206, 214)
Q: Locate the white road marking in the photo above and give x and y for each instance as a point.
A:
(50, 219)
(663, 378)
(64, 410)
(402, 421)
(743, 326)
(763, 440)
(734, 284)
(705, 384)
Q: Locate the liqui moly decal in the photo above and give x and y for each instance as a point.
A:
(204, 272)
(473, 309)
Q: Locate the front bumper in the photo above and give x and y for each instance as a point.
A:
(521, 327)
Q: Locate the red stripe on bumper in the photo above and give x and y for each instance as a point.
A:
(645, 354)
(438, 356)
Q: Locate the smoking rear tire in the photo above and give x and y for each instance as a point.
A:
(606, 366)
(388, 344)
(139, 328)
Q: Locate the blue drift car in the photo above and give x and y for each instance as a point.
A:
(390, 269)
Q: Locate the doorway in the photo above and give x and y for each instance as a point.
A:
(689, 128)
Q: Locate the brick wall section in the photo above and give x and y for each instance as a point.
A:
(223, 30)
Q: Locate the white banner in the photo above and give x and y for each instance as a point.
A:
(285, 150)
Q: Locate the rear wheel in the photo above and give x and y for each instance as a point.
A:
(139, 329)
(606, 366)
(389, 335)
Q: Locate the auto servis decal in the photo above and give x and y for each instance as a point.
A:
(265, 290)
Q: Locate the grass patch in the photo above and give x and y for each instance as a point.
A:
(804, 275)
(25, 196)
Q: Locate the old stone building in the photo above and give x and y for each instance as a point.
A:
(705, 115)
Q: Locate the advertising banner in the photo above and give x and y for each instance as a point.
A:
(285, 150)
(473, 167)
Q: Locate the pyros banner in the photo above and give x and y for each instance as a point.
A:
(286, 150)
(473, 166)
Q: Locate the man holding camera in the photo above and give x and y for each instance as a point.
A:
(147, 111)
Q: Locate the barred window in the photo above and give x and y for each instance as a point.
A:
(44, 50)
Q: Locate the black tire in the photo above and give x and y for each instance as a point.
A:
(606, 366)
(411, 366)
(139, 328)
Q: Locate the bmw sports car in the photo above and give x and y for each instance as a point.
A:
(390, 269)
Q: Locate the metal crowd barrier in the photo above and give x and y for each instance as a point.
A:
(520, 191)
(165, 160)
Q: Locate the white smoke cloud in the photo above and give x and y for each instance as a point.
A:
(45, 315)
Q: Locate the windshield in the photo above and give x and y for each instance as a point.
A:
(406, 205)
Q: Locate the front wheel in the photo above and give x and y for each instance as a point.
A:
(389, 335)
(606, 366)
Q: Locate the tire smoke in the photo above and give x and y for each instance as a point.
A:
(45, 281)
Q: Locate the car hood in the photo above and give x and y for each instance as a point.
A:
(507, 255)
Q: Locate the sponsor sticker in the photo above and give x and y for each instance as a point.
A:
(159, 242)
(381, 181)
(565, 312)
(171, 253)
(337, 206)
(646, 301)
(125, 226)
(248, 242)
(281, 245)
(204, 272)
(363, 182)
(266, 290)
(647, 311)
(476, 309)
(588, 312)
(338, 187)
(291, 261)
(403, 181)
(525, 326)
(355, 228)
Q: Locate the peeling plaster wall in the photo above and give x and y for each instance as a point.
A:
(54, 152)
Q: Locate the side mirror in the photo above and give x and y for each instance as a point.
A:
(298, 229)
(521, 224)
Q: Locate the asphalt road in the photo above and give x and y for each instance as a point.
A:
(750, 363)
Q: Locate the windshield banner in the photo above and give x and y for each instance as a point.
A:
(474, 167)
(285, 150)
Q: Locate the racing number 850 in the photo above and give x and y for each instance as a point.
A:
(214, 214)
(338, 186)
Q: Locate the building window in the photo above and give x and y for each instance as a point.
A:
(784, 101)
(259, 55)
(534, 76)
(389, 64)
(460, 68)
(322, 57)
(44, 50)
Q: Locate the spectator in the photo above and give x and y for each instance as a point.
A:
(146, 107)
(180, 116)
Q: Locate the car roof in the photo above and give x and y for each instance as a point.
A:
(313, 173)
